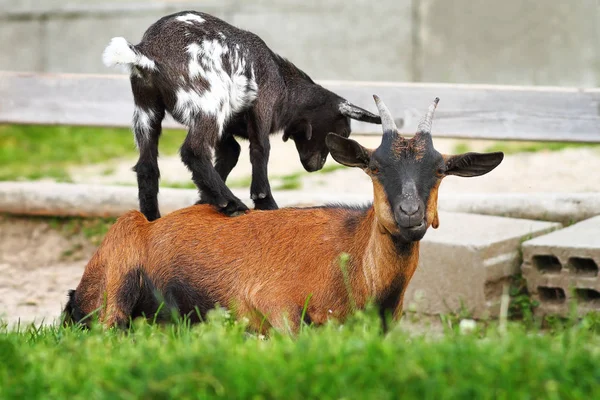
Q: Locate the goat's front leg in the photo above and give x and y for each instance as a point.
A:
(227, 154)
(196, 155)
(260, 189)
(391, 309)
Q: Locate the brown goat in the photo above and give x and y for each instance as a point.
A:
(264, 265)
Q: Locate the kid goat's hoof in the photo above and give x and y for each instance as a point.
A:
(234, 208)
(267, 203)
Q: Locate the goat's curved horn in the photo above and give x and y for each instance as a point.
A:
(387, 121)
(360, 114)
(425, 124)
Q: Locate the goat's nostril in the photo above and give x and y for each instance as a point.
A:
(409, 208)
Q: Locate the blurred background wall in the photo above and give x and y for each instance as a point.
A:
(520, 42)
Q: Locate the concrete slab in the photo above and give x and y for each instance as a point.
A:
(562, 267)
(466, 261)
(97, 25)
(22, 46)
(510, 42)
(71, 54)
(335, 39)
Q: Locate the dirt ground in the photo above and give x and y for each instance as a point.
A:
(38, 264)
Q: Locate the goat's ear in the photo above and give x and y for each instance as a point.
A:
(472, 164)
(308, 130)
(347, 151)
(304, 126)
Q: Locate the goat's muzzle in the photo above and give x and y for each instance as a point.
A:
(314, 163)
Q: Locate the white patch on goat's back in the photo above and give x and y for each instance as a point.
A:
(190, 18)
(226, 93)
(142, 125)
(194, 67)
(190, 103)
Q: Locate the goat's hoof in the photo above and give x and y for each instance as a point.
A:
(265, 203)
(234, 208)
(151, 216)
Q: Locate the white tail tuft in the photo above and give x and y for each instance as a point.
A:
(120, 52)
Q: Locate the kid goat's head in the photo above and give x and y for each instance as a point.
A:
(406, 173)
(323, 113)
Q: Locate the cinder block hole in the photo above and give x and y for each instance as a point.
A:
(547, 264)
(587, 295)
(583, 266)
(551, 294)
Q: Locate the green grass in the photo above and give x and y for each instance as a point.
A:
(231, 183)
(327, 169)
(93, 229)
(290, 182)
(178, 185)
(461, 147)
(515, 147)
(532, 147)
(35, 152)
(218, 360)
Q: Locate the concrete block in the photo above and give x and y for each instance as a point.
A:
(510, 42)
(75, 50)
(21, 48)
(563, 266)
(75, 43)
(336, 39)
(466, 261)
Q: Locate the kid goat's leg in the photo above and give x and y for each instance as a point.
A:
(227, 154)
(227, 151)
(147, 118)
(196, 155)
(258, 135)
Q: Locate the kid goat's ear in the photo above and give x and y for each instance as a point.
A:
(347, 151)
(472, 164)
(305, 126)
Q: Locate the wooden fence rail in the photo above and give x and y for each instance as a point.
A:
(465, 111)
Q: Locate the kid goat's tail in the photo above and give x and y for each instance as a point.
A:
(120, 52)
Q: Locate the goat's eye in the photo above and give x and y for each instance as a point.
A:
(374, 169)
(440, 171)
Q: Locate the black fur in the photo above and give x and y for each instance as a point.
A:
(72, 314)
(280, 97)
(138, 296)
(388, 301)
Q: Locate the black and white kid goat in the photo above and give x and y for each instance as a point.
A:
(222, 82)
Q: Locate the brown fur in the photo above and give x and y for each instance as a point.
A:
(432, 213)
(409, 148)
(259, 264)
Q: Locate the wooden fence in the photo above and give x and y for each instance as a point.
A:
(465, 111)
